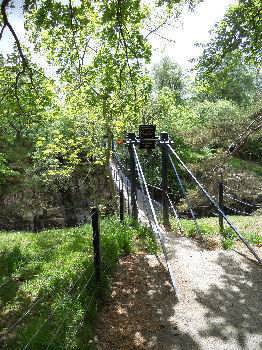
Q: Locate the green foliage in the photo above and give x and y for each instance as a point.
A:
(100, 52)
(26, 98)
(240, 29)
(191, 230)
(191, 3)
(218, 123)
(227, 243)
(5, 171)
(230, 238)
(230, 62)
(56, 265)
(146, 239)
(254, 238)
(169, 75)
(231, 80)
(240, 164)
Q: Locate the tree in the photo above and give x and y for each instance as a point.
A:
(100, 51)
(168, 74)
(23, 112)
(232, 80)
(240, 30)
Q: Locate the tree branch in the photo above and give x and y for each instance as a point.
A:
(2, 31)
(7, 24)
(159, 35)
(152, 31)
(119, 20)
(254, 126)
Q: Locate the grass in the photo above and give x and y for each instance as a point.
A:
(51, 274)
(208, 229)
(240, 164)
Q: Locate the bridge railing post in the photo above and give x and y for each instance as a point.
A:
(121, 202)
(165, 209)
(134, 210)
(128, 200)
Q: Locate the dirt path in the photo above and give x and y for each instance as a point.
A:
(138, 313)
(219, 304)
(141, 303)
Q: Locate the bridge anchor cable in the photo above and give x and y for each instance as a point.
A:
(214, 203)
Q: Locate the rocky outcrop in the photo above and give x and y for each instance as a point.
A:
(41, 208)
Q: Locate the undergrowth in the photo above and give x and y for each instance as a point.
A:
(51, 274)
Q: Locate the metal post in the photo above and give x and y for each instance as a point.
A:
(128, 200)
(96, 243)
(134, 210)
(163, 139)
(221, 205)
(121, 204)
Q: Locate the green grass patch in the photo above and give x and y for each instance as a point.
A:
(240, 164)
(51, 274)
(208, 228)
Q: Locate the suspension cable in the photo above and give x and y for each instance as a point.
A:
(215, 204)
(145, 206)
(236, 210)
(183, 191)
(175, 213)
(156, 224)
(244, 191)
(242, 202)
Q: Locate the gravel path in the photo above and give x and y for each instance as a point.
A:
(219, 304)
(220, 299)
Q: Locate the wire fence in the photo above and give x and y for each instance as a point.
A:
(52, 314)
(50, 299)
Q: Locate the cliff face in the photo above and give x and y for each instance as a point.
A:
(36, 207)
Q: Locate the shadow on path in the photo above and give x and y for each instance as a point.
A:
(140, 311)
(234, 304)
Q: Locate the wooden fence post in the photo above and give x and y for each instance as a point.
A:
(96, 243)
(221, 205)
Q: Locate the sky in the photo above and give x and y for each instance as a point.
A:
(193, 27)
